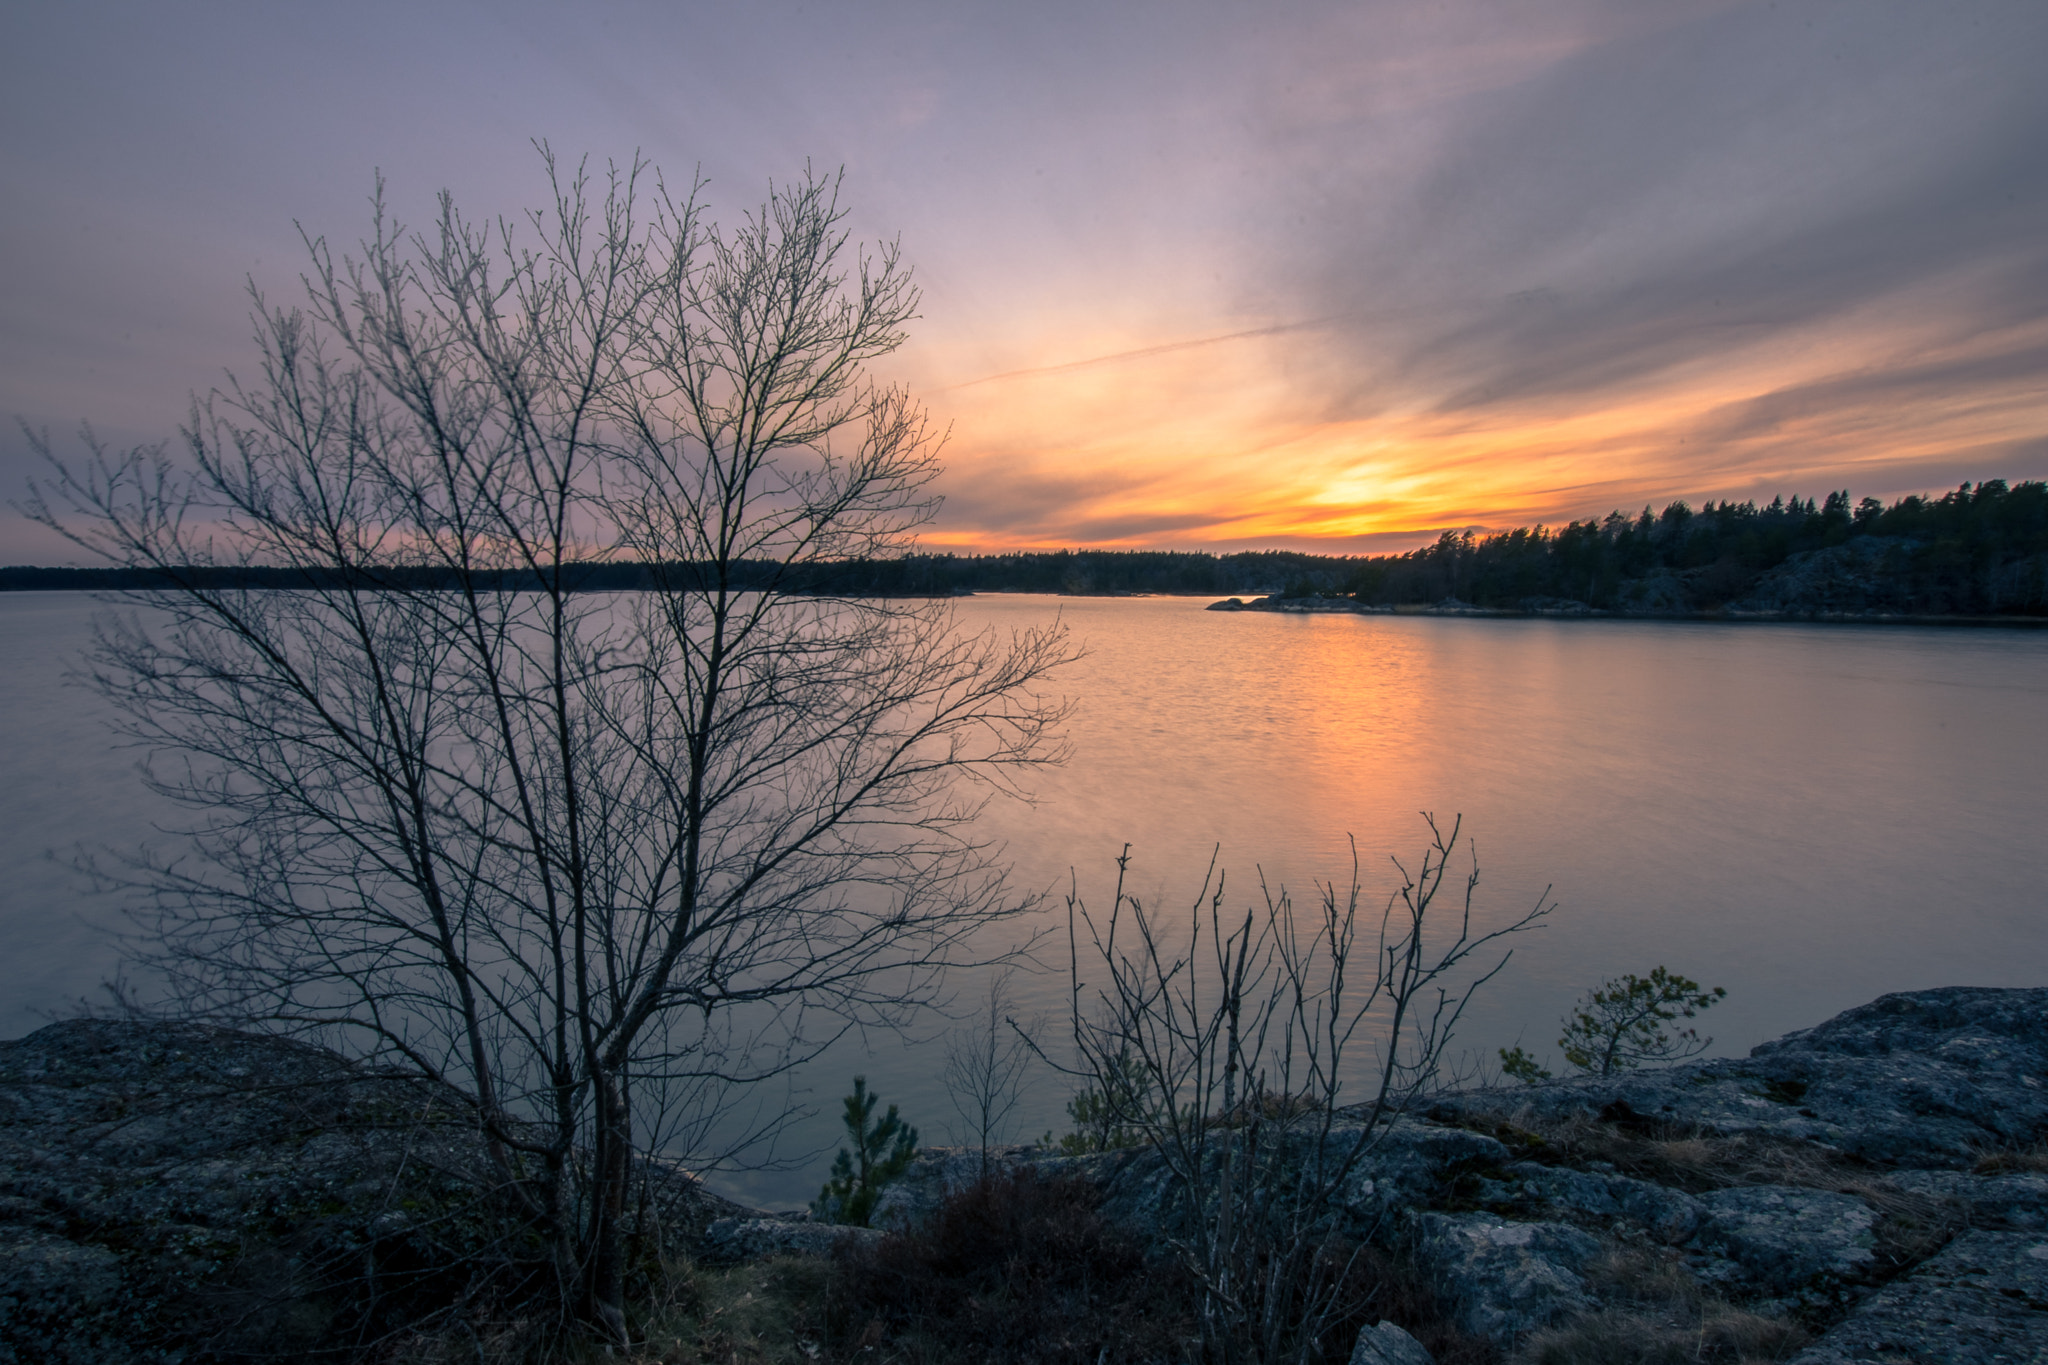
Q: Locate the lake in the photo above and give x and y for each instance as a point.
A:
(1809, 816)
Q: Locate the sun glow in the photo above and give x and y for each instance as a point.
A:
(1247, 438)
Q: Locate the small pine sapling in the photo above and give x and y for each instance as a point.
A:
(882, 1151)
(1622, 1024)
(1114, 1115)
(1521, 1066)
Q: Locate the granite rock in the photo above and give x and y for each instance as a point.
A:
(161, 1184)
(146, 1167)
(1982, 1300)
(1388, 1344)
(1918, 1080)
(2017, 1200)
(1505, 1279)
(1601, 1198)
(1782, 1238)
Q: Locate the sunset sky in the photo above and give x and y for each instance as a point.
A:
(1196, 274)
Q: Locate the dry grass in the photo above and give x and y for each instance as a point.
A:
(1024, 1270)
(1909, 1227)
(768, 1312)
(799, 1311)
(2013, 1161)
(1723, 1336)
(1658, 1314)
(1689, 1161)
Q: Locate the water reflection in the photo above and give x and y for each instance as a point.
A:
(1809, 816)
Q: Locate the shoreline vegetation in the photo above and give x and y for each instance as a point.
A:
(1976, 555)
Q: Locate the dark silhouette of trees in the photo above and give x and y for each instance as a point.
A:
(1979, 550)
(585, 856)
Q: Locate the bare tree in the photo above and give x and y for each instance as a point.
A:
(571, 852)
(1234, 1060)
(987, 1060)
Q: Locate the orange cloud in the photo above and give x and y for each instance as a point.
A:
(1227, 439)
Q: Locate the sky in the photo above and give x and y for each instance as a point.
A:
(1201, 274)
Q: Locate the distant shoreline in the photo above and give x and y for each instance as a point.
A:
(1579, 611)
(20, 579)
(1977, 555)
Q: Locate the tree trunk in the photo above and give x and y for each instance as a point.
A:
(605, 1277)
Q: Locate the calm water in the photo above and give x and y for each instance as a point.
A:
(1809, 816)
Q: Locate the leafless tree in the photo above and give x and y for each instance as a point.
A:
(987, 1060)
(571, 852)
(1233, 1059)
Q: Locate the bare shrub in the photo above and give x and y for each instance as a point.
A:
(1019, 1267)
(987, 1061)
(1228, 1059)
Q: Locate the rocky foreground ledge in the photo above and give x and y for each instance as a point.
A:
(1878, 1178)
(1881, 1180)
(173, 1192)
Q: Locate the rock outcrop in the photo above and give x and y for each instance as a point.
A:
(1981, 1300)
(752, 1238)
(1300, 606)
(1916, 1081)
(1823, 1175)
(170, 1188)
(1388, 1344)
(1508, 1278)
(1881, 1178)
(1819, 1178)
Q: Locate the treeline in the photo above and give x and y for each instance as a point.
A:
(1078, 572)
(1979, 550)
(595, 577)
(1088, 573)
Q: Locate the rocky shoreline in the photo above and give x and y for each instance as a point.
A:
(1879, 1179)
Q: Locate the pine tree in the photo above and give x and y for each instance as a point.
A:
(882, 1151)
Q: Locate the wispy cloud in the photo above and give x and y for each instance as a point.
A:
(1338, 273)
